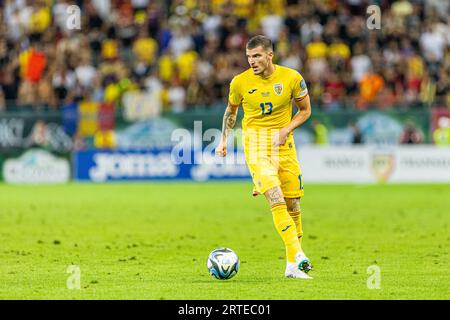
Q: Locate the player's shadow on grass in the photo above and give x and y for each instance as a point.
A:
(231, 281)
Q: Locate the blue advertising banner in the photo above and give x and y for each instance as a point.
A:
(154, 164)
(69, 114)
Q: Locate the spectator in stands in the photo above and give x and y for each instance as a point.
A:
(311, 29)
(10, 80)
(85, 72)
(64, 80)
(320, 133)
(39, 136)
(2, 100)
(410, 134)
(177, 97)
(334, 91)
(433, 44)
(357, 135)
(292, 58)
(441, 135)
(442, 88)
(272, 25)
(369, 86)
(319, 38)
(317, 65)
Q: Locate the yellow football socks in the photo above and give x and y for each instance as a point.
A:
(297, 218)
(287, 230)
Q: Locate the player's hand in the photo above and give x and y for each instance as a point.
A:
(280, 138)
(221, 149)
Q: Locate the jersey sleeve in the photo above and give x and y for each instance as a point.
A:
(300, 90)
(234, 97)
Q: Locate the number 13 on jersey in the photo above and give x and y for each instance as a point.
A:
(264, 108)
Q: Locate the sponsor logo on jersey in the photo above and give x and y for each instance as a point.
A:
(265, 94)
(278, 88)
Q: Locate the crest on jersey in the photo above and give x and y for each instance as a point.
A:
(278, 88)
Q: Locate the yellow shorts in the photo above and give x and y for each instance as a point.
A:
(283, 170)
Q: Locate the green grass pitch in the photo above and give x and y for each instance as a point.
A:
(151, 241)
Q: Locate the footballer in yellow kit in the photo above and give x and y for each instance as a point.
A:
(266, 92)
(267, 104)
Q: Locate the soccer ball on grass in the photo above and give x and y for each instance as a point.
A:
(223, 263)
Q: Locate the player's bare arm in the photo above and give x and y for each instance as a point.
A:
(228, 123)
(303, 114)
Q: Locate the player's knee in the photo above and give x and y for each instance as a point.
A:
(274, 195)
(293, 204)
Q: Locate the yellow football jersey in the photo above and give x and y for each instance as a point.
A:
(267, 102)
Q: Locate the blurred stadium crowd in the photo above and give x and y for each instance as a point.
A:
(190, 50)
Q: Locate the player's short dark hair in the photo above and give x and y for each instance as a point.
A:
(262, 41)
